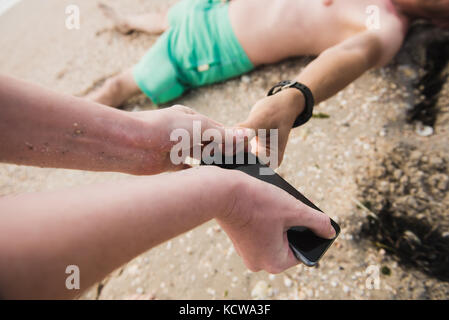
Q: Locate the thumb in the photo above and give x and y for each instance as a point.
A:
(315, 220)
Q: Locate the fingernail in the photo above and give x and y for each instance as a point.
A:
(332, 233)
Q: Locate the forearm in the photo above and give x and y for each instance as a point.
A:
(98, 228)
(338, 66)
(42, 128)
(332, 71)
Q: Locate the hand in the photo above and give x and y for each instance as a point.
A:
(158, 126)
(275, 112)
(258, 219)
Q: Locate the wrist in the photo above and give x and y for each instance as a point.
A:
(138, 142)
(293, 102)
(220, 188)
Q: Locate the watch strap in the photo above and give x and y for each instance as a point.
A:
(308, 97)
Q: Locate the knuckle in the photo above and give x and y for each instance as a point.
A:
(255, 269)
(273, 269)
(324, 223)
(301, 210)
(252, 266)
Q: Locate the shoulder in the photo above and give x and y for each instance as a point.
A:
(391, 33)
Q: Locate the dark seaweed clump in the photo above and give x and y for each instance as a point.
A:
(427, 50)
(415, 243)
(406, 191)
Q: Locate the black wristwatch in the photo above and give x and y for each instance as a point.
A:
(308, 96)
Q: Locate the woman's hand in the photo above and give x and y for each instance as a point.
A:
(161, 123)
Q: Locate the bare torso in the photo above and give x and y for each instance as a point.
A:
(270, 31)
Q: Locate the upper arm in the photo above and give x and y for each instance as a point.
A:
(391, 37)
(375, 48)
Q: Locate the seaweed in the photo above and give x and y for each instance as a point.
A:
(427, 251)
(431, 83)
(427, 48)
(406, 191)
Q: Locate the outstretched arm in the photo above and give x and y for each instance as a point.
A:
(97, 228)
(101, 227)
(329, 73)
(42, 128)
(338, 66)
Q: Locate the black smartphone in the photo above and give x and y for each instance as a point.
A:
(307, 247)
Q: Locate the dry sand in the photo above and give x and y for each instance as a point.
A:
(322, 161)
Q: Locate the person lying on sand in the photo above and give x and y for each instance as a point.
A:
(99, 228)
(207, 41)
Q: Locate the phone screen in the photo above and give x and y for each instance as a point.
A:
(307, 247)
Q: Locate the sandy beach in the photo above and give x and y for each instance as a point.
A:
(334, 161)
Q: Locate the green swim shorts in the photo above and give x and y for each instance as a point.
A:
(199, 48)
